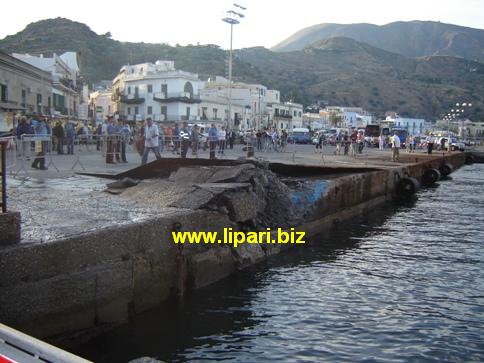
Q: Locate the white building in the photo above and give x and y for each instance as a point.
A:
(287, 115)
(66, 92)
(101, 104)
(414, 126)
(248, 103)
(156, 90)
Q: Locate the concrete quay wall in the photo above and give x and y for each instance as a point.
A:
(97, 280)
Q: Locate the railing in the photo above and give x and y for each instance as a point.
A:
(19, 347)
(132, 99)
(175, 96)
(286, 117)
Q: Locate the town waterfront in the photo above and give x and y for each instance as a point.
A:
(402, 284)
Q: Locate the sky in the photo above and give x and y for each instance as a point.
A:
(266, 22)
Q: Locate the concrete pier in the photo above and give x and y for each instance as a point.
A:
(92, 279)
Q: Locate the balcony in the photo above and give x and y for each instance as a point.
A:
(176, 118)
(132, 99)
(184, 97)
(282, 117)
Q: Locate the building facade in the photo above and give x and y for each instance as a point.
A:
(156, 90)
(24, 89)
(67, 90)
(100, 105)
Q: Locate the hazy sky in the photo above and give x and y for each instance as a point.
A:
(267, 22)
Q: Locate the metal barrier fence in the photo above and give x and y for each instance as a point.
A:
(10, 151)
(3, 175)
(41, 145)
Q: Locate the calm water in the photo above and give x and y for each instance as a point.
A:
(405, 284)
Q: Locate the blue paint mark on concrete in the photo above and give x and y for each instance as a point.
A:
(310, 193)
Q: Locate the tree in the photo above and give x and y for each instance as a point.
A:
(334, 119)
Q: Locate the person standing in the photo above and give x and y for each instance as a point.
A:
(161, 139)
(176, 140)
(231, 136)
(39, 161)
(125, 136)
(395, 147)
(25, 128)
(58, 132)
(381, 142)
(221, 140)
(71, 135)
(111, 142)
(151, 141)
(430, 143)
(212, 139)
(195, 140)
(185, 140)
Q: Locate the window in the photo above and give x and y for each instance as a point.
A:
(39, 99)
(215, 113)
(129, 90)
(150, 110)
(164, 89)
(136, 92)
(188, 89)
(3, 92)
(129, 110)
(136, 110)
(150, 88)
(300, 114)
(295, 113)
(164, 111)
(188, 113)
(24, 97)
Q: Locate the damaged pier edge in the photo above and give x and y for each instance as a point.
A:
(96, 280)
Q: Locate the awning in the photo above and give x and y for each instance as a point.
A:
(10, 106)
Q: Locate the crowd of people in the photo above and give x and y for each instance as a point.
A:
(112, 137)
(179, 139)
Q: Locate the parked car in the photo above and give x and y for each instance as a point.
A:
(299, 136)
(455, 144)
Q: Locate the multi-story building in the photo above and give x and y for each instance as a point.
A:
(156, 90)
(24, 89)
(414, 126)
(100, 105)
(248, 103)
(66, 86)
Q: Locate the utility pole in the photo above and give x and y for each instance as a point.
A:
(232, 17)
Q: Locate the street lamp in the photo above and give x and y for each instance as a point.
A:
(451, 116)
(231, 17)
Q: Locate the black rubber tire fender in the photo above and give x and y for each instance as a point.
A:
(407, 187)
(430, 176)
(470, 159)
(445, 169)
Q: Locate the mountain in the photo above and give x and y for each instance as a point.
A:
(346, 72)
(340, 70)
(411, 39)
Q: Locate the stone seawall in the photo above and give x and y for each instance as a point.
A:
(97, 280)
